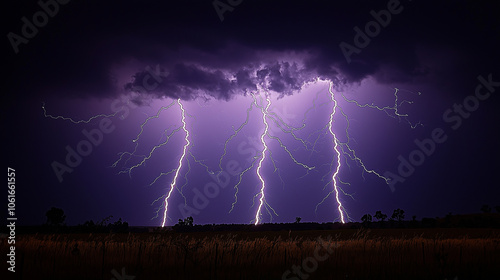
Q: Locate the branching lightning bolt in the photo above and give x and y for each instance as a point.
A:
(274, 117)
(78, 121)
(181, 159)
(235, 133)
(262, 157)
(136, 140)
(259, 160)
(387, 109)
(129, 170)
(240, 177)
(176, 171)
(351, 153)
(337, 154)
(268, 117)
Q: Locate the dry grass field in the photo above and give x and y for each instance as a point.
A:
(328, 254)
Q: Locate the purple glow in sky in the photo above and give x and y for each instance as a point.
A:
(131, 65)
(298, 145)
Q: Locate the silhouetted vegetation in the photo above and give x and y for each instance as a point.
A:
(104, 226)
(398, 215)
(55, 217)
(380, 216)
(486, 208)
(184, 225)
(366, 219)
(432, 248)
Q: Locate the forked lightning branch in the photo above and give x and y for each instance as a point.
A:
(262, 100)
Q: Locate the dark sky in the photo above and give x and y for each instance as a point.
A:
(130, 58)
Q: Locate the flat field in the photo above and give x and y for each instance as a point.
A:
(449, 253)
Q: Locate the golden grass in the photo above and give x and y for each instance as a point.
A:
(227, 256)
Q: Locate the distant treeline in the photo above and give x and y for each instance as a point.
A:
(487, 220)
(55, 223)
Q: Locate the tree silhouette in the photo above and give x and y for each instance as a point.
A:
(104, 221)
(297, 220)
(398, 214)
(89, 224)
(189, 221)
(184, 225)
(186, 222)
(486, 208)
(497, 208)
(367, 218)
(379, 216)
(55, 216)
(120, 226)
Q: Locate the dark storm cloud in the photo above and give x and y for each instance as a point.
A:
(189, 81)
(255, 45)
(285, 78)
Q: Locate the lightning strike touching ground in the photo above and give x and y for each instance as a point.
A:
(281, 124)
(181, 159)
(284, 128)
(351, 153)
(335, 147)
(264, 104)
(262, 157)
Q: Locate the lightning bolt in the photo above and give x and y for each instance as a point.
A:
(259, 160)
(235, 133)
(136, 141)
(335, 147)
(74, 121)
(240, 178)
(280, 124)
(181, 159)
(351, 153)
(129, 170)
(262, 157)
(388, 109)
(268, 117)
(175, 171)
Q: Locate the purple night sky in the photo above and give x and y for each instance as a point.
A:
(130, 59)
